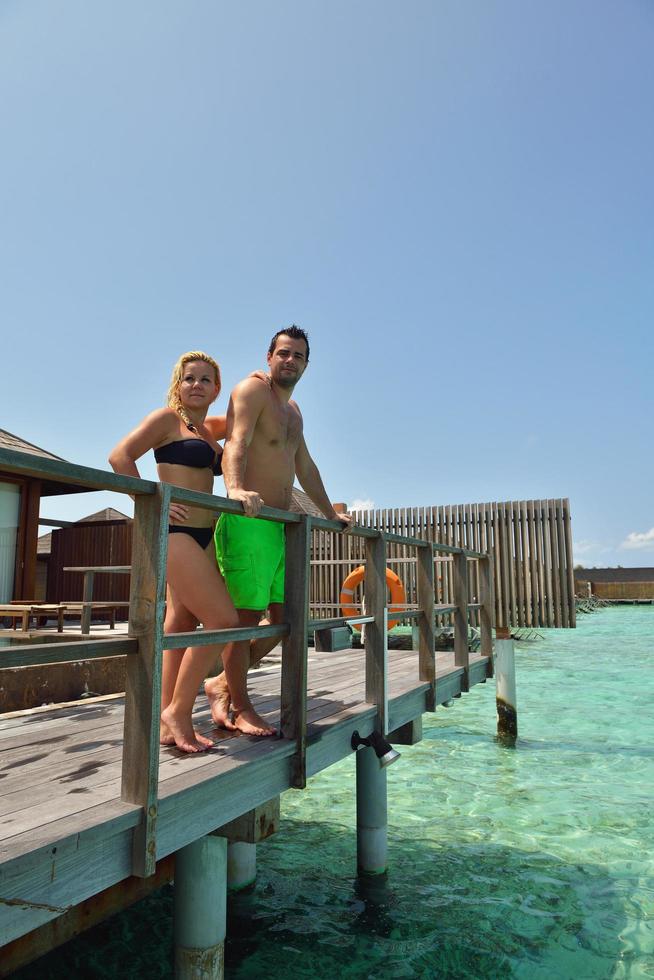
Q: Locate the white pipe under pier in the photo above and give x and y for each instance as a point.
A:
(200, 907)
(505, 688)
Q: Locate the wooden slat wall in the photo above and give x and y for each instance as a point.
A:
(95, 543)
(530, 540)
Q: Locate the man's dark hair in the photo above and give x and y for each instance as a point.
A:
(295, 333)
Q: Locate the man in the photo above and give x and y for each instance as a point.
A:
(264, 451)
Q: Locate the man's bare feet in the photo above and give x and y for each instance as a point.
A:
(184, 736)
(249, 722)
(219, 702)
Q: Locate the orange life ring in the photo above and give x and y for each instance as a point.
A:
(395, 587)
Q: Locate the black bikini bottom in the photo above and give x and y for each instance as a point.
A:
(202, 535)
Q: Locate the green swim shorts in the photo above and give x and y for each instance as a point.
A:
(250, 555)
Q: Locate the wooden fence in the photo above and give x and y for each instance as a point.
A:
(146, 641)
(530, 541)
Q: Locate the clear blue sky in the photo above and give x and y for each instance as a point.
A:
(455, 199)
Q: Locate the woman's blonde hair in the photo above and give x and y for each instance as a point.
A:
(174, 401)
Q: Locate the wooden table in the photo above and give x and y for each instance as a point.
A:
(89, 572)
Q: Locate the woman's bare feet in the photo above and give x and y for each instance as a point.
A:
(219, 702)
(183, 734)
(249, 722)
(166, 737)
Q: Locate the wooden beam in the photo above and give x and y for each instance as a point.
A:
(376, 635)
(426, 638)
(461, 649)
(84, 916)
(208, 501)
(408, 734)
(294, 649)
(486, 611)
(61, 652)
(87, 599)
(563, 571)
(27, 464)
(199, 638)
(329, 624)
(140, 773)
(30, 536)
(569, 561)
(254, 826)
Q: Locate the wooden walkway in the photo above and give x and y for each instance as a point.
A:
(87, 799)
(65, 832)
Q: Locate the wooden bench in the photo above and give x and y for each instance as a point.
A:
(24, 611)
(90, 608)
(89, 573)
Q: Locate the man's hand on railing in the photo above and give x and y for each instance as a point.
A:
(252, 502)
(347, 520)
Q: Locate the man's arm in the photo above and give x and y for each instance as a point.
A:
(311, 482)
(245, 406)
(217, 426)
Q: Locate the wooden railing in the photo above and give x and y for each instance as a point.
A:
(146, 641)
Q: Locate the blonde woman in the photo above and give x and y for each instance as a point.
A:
(188, 456)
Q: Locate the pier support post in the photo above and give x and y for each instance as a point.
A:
(371, 814)
(243, 834)
(505, 691)
(200, 909)
(241, 865)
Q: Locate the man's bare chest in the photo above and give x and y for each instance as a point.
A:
(280, 426)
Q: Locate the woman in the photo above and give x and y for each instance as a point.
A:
(188, 456)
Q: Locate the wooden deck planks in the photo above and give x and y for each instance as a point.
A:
(60, 847)
(60, 769)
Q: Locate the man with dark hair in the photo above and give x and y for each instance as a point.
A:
(264, 452)
(295, 333)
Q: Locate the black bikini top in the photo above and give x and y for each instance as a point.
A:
(190, 452)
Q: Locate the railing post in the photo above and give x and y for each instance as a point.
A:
(486, 611)
(426, 642)
(461, 649)
(140, 776)
(87, 602)
(294, 646)
(376, 637)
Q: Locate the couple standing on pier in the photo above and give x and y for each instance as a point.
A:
(231, 577)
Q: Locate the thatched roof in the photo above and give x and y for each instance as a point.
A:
(9, 441)
(301, 503)
(108, 514)
(49, 487)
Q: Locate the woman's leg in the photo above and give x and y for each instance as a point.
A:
(194, 579)
(178, 620)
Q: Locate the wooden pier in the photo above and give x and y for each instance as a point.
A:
(89, 801)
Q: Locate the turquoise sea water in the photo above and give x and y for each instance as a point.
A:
(533, 862)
